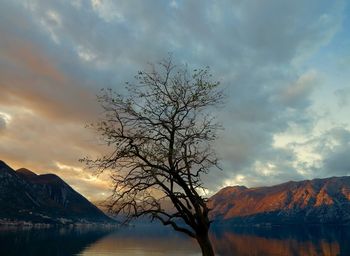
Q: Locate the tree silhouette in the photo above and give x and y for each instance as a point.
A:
(160, 133)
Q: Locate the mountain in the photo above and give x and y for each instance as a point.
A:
(318, 201)
(26, 196)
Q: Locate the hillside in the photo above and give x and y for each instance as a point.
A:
(26, 196)
(318, 201)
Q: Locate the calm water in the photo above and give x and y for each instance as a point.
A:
(145, 240)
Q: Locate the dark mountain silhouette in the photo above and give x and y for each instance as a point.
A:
(26, 196)
(318, 201)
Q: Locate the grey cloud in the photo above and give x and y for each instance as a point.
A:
(332, 147)
(336, 159)
(237, 34)
(2, 123)
(295, 95)
(244, 44)
(254, 48)
(36, 79)
(343, 96)
(338, 163)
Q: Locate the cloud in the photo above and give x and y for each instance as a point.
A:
(323, 155)
(335, 152)
(2, 123)
(343, 96)
(295, 95)
(37, 143)
(55, 55)
(338, 163)
(257, 117)
(31, 79)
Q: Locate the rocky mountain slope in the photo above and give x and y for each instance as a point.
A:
(26, 196)
(318, 201)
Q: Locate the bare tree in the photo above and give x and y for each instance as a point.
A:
(161, 134)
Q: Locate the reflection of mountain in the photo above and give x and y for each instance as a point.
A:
(43, 242)
(282, 241)
(25, 196)
(315, 201)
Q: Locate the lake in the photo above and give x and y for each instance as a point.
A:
(155, 240)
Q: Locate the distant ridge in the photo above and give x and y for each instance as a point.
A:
(318, 201)
(25, 173)
(26, 196)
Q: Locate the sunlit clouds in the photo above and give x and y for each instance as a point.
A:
(284, 66)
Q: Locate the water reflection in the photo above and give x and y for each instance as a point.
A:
(330, 241)
(155, 240)
(143, 240)
(43, 242)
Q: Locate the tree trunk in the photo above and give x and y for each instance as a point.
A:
(205, 244)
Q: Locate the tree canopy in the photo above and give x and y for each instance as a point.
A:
(160, 134)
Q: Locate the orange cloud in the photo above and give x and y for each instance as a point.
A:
(31, 79)
(48, 110)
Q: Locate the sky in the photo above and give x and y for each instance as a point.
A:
(284, 66)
